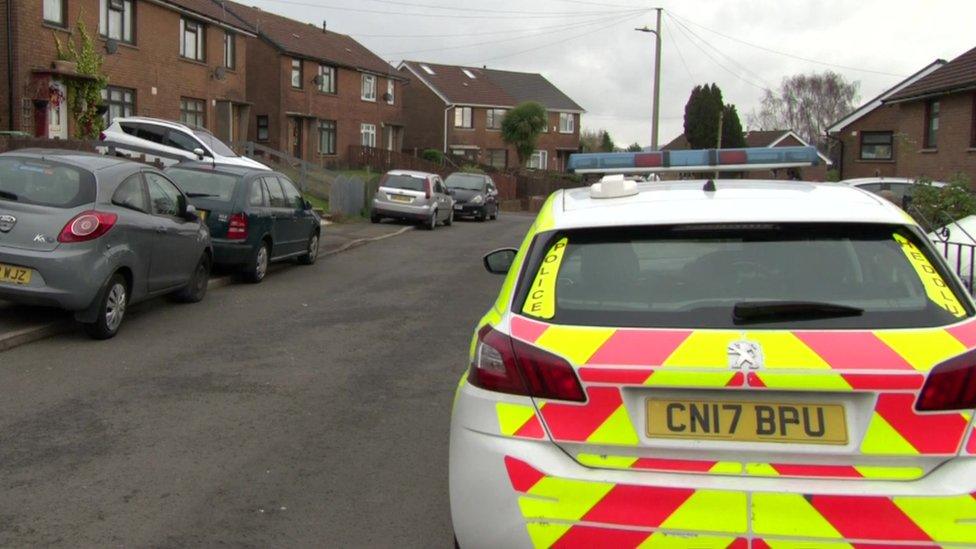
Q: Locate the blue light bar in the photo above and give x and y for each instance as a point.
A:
(705, 160)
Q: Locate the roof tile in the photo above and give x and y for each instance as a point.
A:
(956, 75)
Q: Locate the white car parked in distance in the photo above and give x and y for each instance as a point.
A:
(174, 141)
(901, 188)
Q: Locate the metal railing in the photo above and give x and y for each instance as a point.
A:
(959, 254)
(311, 178)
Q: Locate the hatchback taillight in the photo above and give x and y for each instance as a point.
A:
(950, 385)
(427, 188)
(237, 228)
(87, 226)
(508, 365)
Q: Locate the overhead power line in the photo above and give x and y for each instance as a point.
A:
(761, 85)
(495, 14)
(681, 56)
(499, 11)
(558, 29)
(783, 53)
(567, 39)
(720, 64)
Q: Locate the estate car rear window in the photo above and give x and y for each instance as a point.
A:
(45, 183)
(405, 182)
(731, 276)
(204, 184)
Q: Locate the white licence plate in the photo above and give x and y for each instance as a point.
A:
(458, 207)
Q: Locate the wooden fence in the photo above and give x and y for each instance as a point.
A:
(381, 160)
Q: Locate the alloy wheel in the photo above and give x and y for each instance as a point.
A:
(115, 306)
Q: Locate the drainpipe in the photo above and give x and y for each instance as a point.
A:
(10, 66)
(840, 168)
(449, 107)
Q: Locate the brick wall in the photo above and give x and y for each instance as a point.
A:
(424, 114)
(152, 66)
(910, 158)
(486, 139)
(5, 122)
(273, 94)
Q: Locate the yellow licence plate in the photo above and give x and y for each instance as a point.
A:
(802, 423)
(399, 198)
(17, 275)
(202, 214)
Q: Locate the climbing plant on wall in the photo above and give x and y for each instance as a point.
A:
(84, 94)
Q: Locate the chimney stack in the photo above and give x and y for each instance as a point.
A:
(325, 26)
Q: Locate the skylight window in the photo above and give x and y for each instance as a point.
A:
(468, 73)
(427, 69)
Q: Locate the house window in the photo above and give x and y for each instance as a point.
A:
(539, 160)
(463, 118)
(369, 87)
(498, 158)
(192, 42)
(390, 88)
(327, 79)
(327, 136)
(296, 73)
(54, 12)
(876, 145)
(193, 112)
(115, 20)
(121, 102)
(932, 125)
(368, 132)
(567, 122)
(262, 126)
(230, 50)
(494, 119)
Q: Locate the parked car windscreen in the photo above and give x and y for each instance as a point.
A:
(204, 184)
(406, 182)
(465, 181)
(216, 145)
(45, 183)
(724, 277)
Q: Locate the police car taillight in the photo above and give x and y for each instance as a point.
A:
(950, 385)
(507, 365)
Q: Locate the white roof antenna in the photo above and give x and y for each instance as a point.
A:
(613, 186)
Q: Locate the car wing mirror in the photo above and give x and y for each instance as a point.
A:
(190, 213)
(500, 261)
(200, 153)
(306, 205)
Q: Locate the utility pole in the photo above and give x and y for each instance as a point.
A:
(718, 141)
(656, 108)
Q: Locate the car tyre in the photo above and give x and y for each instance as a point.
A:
(482, 215)
(375, 218)
(494, 214)
(431, 222)
(450, 219)
(197, 287)
(257, 269)
(312, 252)
(111, 310)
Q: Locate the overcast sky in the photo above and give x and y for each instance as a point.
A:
(588, 48)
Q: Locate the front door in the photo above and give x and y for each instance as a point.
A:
(57, 112)
(295, 132)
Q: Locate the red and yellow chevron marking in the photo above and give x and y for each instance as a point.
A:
(575, 513)
(971, 445)
(892, 363)
(710, 467)
(518, 420)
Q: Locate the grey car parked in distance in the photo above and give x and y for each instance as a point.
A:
(93, 234)
(415, 196)
(474, 195)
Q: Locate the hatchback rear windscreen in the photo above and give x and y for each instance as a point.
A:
(405, 182)
(204, 184)
(735, 276)
(45, 183)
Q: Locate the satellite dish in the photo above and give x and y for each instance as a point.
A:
(387, 97)
(220, 73)
(111, 46)
(317, 80)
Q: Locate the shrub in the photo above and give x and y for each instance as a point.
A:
(433, 155)
(833, 176)
(935, 206)
(471, 168)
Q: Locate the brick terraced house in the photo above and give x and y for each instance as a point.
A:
(181, 60)
(458, 110)
(316, 92)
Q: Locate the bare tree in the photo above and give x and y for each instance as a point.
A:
(806, 104)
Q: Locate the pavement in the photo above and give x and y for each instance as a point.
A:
(21, 325)
(310, 410)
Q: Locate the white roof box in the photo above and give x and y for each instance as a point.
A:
(613, 186)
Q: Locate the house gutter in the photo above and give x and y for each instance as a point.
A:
(10, 66)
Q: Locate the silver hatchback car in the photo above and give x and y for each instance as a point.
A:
(417, 196)
(92, 234)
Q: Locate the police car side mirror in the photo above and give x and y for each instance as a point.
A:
(500, 261)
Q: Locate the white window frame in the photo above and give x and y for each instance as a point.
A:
(539, 160)
(199, 41)
(327, 75)
(301, 73)
(464, 118)
(54, 12)
(390, 89)
(230, 50)
(567, 122)
(493, 118)
(368, 88)
(125, 9)
(367, 133)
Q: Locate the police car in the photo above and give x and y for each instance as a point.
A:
(718, 363)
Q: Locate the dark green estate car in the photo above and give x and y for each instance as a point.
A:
(255, 216)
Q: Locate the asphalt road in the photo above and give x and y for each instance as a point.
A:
(309, 410)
